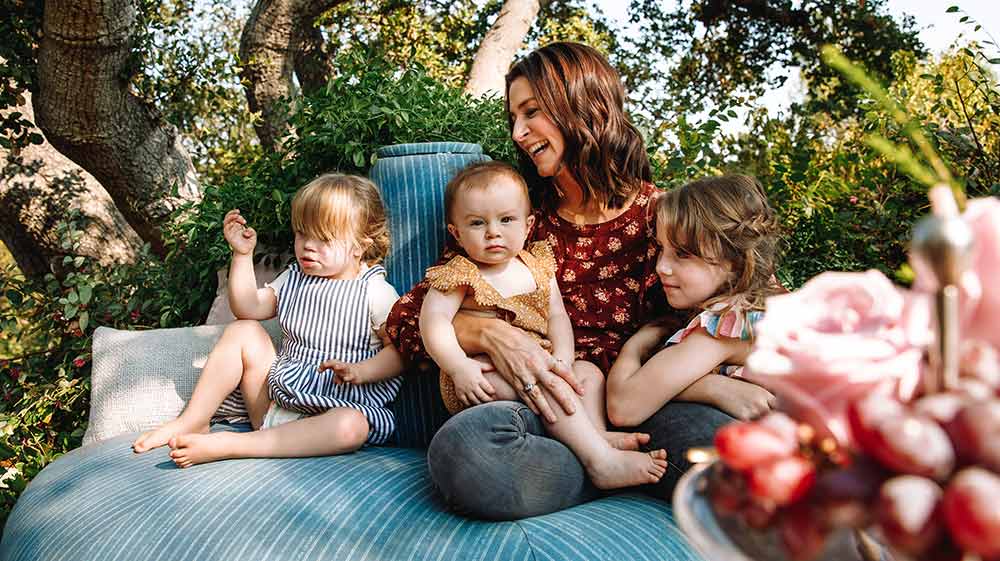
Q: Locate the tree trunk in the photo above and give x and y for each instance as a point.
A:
(279, 39)
(499, 46)
(38, 188)
(87, 113)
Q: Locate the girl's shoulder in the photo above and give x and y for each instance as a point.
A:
(722, 320)
(458, 271)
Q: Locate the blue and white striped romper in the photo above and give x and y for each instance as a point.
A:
(325, 319)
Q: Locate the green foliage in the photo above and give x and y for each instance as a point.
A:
(698, 53)
(370, 104)
(45, 386)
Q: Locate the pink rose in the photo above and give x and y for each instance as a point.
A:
(840, 336)
(982, 315)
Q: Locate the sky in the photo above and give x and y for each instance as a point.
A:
(938, 30)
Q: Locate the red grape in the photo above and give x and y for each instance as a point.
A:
(942, 407)
(975, 432)
(914, 445)
(971, 509)
(865, 414)
(744, 445)
(908, 513)
(782, 481)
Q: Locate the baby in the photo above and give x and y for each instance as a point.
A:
(489, 214)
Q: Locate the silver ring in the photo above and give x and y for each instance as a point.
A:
(528, 387)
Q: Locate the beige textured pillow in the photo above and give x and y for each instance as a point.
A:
(142, 379)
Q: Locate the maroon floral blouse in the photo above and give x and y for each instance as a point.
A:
(606, 274)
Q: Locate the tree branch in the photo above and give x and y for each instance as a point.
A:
(280, 39)
(499, 46)
(86, 111)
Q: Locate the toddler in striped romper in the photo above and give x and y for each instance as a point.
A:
(327, 389)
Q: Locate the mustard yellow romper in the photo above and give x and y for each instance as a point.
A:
(529, 311)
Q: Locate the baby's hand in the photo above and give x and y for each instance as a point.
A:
(471, 387)
(344, 372)
(241, 238)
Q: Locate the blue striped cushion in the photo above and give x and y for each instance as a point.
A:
(412, 178)
(104, 502)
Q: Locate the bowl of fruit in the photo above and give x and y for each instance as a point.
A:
(886, 444)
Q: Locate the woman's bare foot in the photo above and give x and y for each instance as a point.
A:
(626, 440)
(187, 450)
(622, 468)
(160, 436)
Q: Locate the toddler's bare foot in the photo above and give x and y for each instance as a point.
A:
(187, 450)
(623, 468)
(160, 436)
(626, 440)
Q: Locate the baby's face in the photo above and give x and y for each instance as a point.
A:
(334, 259)
(491, 223)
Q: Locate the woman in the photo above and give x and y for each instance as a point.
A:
(591, 183)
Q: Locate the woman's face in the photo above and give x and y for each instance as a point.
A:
(533, 131)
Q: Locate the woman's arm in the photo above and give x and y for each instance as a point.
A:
(520, 359)
(633, 398)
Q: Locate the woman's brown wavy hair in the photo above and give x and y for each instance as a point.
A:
(581, 92)
(726, 219)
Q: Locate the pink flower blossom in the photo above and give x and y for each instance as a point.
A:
(840, 336)
(981, 314)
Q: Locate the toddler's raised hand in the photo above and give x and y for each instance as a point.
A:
(471, 387)
(241, 238)
(344, 372)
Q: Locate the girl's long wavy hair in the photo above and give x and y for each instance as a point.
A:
(582, 94)
(726, 220)
(340, 206)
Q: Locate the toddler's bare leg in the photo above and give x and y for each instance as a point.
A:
(607, 466)
(338, 431)
(244, 351)
(594, 404)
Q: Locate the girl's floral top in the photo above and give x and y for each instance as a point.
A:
(606, 274)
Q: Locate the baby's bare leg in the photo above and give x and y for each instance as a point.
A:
(504, 391)
(607, 466)
(338, 431)
(592, 379)
(243, 353)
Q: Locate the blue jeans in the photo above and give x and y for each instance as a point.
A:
(495, 461)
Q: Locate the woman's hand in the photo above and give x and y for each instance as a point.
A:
(241, 238)
(522, 361)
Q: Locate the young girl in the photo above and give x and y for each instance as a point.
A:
(329, 303)
(718, 240)
(489, 215)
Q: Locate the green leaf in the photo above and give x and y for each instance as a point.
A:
(69, 311)
(994, 60)
(14, 297)
(86, 291)
(951, 9)
(73, 297)
(359, 159)
(84, 320)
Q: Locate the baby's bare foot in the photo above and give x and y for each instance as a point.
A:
(626, 440)
(187, 450)
(623, 468)
(160, 436)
